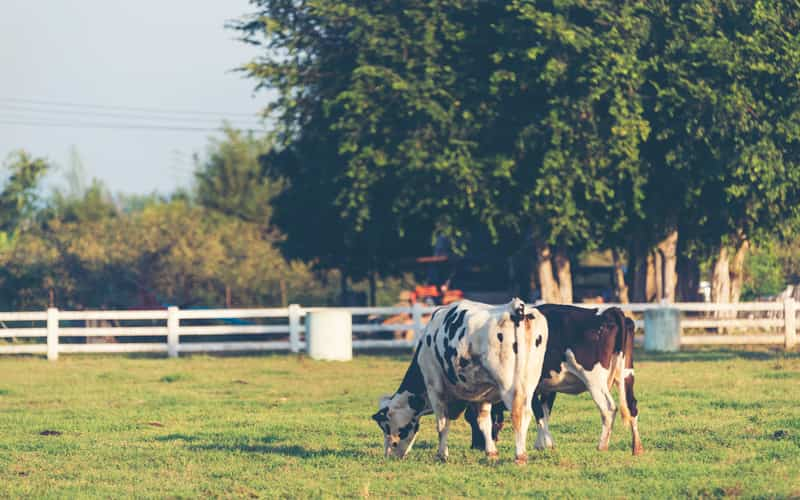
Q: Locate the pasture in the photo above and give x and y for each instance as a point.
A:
(713, 423)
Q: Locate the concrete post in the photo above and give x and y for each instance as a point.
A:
(416, 317)
(329, 335)
(662, 330)
(790, 322)
(173, 333)
(294, 327)
(52, 334)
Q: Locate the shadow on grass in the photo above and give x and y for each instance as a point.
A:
(268, 445)
(695, 355)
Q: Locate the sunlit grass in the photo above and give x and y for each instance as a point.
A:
(713, 423)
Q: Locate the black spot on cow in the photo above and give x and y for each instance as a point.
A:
(417, 403)
(440, 360)
(434, 313)
(406, 430)
(538, 340)
(500, 337)
(514, 347)
(450, 353)
(462, 362)
(461, 335)
(428, 340)
(448, 318)
(456, 324)
(382, 420)
(462, 378)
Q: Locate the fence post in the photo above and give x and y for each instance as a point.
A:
(52, 334)
(416, 316)
(173, 331)
(294, 327)
(790, 322)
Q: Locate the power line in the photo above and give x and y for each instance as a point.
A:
(130, 126)
(27, 109)
(123, 108)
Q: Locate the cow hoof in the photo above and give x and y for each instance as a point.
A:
(601, 447)
(441, 458)
(492, 456)
(638, 450)
(521, 459)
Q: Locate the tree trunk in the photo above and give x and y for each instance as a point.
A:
(284, 294)
(651, 286)
(343, 288)
(373, 289)
(668, 250)
(638, 272)
(688, 279)
(564, 273)
(620, 288)
(721, 278)
(737, 269)
(658, 275)
(544, 268)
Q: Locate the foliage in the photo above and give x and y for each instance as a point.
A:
(286, 426)
(168, 253)
(602, 124)
(230, 180)
(764, 275)
(18, 196)
(722, 99)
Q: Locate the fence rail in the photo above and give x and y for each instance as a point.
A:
(174, 331)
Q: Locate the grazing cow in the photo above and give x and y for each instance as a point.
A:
(469, 353)
(586, 351)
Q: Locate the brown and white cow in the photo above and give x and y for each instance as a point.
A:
(469, 353)
(589, 351)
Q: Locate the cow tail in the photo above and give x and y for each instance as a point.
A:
(624, 351)
(520, 361)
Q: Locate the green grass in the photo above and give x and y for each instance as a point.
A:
(713, 423)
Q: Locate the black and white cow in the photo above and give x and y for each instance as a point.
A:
(469, 353)
(589, 351)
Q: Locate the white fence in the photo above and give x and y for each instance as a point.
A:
(174, 331)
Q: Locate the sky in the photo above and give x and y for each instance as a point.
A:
(129, 67)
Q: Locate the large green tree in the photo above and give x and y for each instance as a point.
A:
(722, 98)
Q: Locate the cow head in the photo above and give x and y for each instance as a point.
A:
(398, 418)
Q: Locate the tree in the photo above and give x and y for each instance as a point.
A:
(567, 81)
(232, 181)
(18, 196)
(376, 143)
(722, 99)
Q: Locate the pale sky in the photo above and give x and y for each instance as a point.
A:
(103, 55)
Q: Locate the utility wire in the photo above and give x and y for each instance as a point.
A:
(123, 108)
(27, 109)
(112, 126)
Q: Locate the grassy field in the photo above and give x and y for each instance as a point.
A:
(713, 423)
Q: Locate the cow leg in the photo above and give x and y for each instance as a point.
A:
(442, 424)
(636, 442)
(471, 416)
(596, 382)
(521, 416)
(541, 410)
(484, 413)
(497, 420)
(627, 402)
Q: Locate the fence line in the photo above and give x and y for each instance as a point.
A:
(180, 333)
